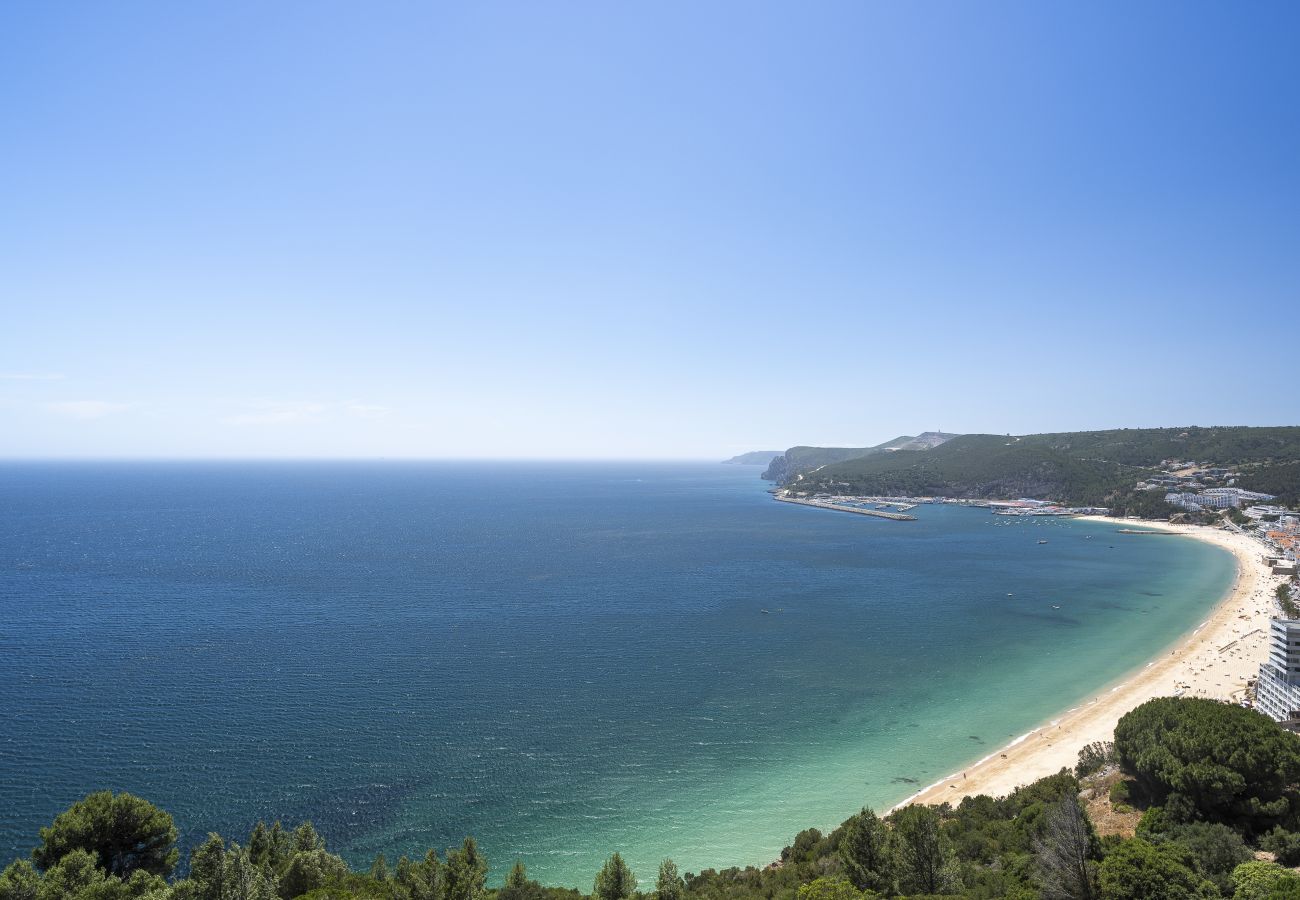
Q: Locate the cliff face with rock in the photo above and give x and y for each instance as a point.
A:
(777, 470)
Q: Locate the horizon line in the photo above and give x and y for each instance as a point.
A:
(289, 459)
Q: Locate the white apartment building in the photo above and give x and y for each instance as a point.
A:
(1215, 498)
(1238, 493)
(1260, 511)
(1277, 693)
(1199, 501)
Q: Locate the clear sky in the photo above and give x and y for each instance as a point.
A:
(570, 229)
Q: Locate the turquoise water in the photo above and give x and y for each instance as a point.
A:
(564, 660)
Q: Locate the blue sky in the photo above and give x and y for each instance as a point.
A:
(638, 230)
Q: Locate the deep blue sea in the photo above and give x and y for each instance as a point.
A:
(561, 659)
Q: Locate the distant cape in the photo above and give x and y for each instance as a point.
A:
(754, 458)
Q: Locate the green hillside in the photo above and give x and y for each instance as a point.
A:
(1083, 467)
(1282, 479)
(1220, 445)
(802, 459)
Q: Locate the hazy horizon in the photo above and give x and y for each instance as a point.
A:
(723, 456)
(652, 232)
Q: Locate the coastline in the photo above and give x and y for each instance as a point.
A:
(1213, 660)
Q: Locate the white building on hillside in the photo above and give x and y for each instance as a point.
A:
(1214, 498)
(1238, 494)
(1199, 501)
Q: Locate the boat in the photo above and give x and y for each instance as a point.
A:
(765, 612)
(1043, 541)
(1056, 607)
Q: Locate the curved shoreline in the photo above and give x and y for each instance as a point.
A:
(1213, 660)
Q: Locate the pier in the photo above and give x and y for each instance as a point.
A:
(827, 504)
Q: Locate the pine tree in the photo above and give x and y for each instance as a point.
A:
(465, 874)
(614, 881)
(518, 886)
(259, 845)
(864, 851)
(242, 879)
(427, 878)
(305, 838)
(280, 849)
(208, 868)
(669, 885)
(922, 854)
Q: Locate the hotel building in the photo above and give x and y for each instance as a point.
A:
(1277, 693)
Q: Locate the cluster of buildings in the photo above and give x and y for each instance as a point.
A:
(1179, 476)
(1196, 486)
(1199, 486)
(1215, 498)
(1027, 507)
(1277, 689)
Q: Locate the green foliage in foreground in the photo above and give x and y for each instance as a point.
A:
(1229, 763)
(614, 881)
(1216, 782)
(124, 833)
(1136, 870)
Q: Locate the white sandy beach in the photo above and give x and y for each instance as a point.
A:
(1214, 661)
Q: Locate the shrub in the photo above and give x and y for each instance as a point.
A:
(1285, 846)
(1137, 870)
(1094, 757)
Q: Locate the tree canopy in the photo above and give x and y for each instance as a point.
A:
(123, 832)
(1230, 762)
(614, 881)
(1137, 870)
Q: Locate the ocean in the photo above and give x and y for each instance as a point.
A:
(562, 659)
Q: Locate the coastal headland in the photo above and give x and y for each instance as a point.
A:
(1215, 661)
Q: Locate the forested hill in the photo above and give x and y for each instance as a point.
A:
(1079, 467)
(797, 460)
